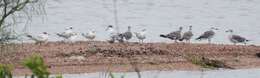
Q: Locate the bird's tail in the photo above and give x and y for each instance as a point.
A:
(164, 36)
(59, 34)
(30, 36)
(199, 38)
(181, 39)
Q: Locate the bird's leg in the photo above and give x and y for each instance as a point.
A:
(209, 41)
(189, 41)
(45, 43)
(245, 43)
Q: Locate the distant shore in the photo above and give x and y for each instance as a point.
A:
(97, 56)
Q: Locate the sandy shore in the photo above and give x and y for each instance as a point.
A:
(83, 57)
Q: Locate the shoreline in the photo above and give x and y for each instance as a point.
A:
(98, 56)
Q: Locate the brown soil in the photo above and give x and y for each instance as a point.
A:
(102, 56)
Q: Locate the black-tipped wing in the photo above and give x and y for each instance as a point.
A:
(206, 35)
(239, 38)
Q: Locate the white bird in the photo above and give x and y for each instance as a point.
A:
(39, 39)
(91, 35)
(111, 30)
(113, 35)
(208, 34)
(236, 38)
(68, 34)
(141, 35)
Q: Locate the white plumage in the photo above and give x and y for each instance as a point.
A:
(113, 35)
(68, 34)
(141, 35)
(41, 38)
(91, 35)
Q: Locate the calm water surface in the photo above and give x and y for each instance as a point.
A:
(157, 16)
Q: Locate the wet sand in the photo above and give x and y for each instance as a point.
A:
(98, 56)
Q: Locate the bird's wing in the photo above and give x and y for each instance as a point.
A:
(208, 34)
(33, 37)
(172, 35)
(238, 38)
(60, 34)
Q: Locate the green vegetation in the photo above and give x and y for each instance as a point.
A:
(113, 76)
(199, 61)
(35, 63)
(208, 63)
(5, 71)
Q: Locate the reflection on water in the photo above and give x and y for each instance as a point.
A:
(157, 16)
(242, 73)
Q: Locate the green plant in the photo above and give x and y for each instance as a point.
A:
(113, 76)
(208, 63)
(199, 61)
(5, 71)
(36, 64)
(59, 76)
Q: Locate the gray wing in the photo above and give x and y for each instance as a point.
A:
(238, 38)
(173, 35)
(128, 35)
(207, 34)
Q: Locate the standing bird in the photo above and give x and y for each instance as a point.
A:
(208, 35)
(236, 38)
(39, 39)
(68, 34)
(91, 35)
(175, 35)
(113, 36)
(128, 34)
(141, 35)
(187, 35)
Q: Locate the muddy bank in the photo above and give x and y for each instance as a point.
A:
(82, 57)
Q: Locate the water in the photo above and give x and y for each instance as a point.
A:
(157, 16)
(242, 73)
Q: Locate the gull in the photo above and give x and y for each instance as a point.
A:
(128, 34)
(39, 39)
(141, 35)
(175, 35)
(68, 34)
(208, 34)
(187, 35)
(113, 36)
(91, 35)
(236, 38)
